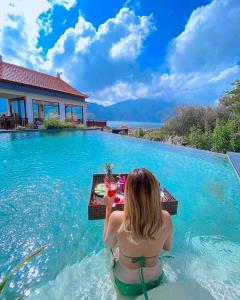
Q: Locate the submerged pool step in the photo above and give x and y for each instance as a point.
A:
(234, 159)
(185, 289)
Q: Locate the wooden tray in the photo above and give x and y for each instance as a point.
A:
(96, 212)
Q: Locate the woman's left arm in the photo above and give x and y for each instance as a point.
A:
(111, 224)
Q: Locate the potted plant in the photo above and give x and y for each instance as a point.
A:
(40, 125)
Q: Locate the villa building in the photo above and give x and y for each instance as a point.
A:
(32, 96)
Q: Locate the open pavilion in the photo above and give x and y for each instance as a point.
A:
(33, 96)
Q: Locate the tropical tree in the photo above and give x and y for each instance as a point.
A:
(195, 137)
(231, 99)
(207, 138)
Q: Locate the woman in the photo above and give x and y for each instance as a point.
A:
(140, 232)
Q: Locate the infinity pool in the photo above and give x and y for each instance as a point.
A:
(45, 180)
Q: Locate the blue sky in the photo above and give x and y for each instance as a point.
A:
(131, 49)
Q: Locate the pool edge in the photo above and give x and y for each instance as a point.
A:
(234, 160)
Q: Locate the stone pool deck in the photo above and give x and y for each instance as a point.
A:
(234, 159)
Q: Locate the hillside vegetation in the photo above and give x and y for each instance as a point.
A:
(215, 128)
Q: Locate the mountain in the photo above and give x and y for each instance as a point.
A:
(143, 110)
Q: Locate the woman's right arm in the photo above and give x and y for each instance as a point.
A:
(168, 242)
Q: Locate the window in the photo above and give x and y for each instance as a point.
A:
(36, 111)
(18, 107)
(51, 111)
(45, 109)
(73, 112)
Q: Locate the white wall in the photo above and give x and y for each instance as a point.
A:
(29, 109)
(8, 108)
(85, 115)
(40, 97)
(62, 111)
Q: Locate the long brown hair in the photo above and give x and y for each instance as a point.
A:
(143, 211)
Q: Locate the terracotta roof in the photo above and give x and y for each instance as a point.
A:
(16, 74)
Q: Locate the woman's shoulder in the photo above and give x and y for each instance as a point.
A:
(166, 214)
(167, 220)
(117, 217)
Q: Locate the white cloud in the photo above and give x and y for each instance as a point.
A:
(122, 91)
(20, 26)
(19, 29)
(133, 4)
(95, 58)
(204, 58)
(130, 47)
(68, 4)
(210, 40)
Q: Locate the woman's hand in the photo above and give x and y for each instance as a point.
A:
(109, 203)
(109, 200)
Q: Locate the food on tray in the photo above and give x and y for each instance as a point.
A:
(96, 207)
(95, 202)
(108, 174)
(100, 189)
(119, 199)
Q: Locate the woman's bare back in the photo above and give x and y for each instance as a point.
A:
(150, 249)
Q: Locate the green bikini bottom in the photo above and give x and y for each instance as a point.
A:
(135, 289)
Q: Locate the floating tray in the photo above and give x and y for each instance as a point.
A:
(97, 211)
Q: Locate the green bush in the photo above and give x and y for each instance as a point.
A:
(221, 138)
(233, 127)
(139, 132)
(199, 138)
(207, 138)
(68, 125)
(123, 132)
(52, 123)
(55, 123)
(189, 115)
(226, 136)
(195, 138)
(231, 99)
(155, 135)
(235, 142)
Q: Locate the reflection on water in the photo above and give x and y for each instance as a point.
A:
(216, 190)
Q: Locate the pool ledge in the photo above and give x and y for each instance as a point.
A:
(234, 159)
(45, 130)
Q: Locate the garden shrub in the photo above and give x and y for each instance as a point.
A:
(155, 135)
(55, 123)
(139, 132)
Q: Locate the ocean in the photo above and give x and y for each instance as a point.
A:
(133, 125)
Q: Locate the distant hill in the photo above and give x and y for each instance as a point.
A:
(143, 110)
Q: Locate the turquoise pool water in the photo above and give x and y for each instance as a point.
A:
(45, 180)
